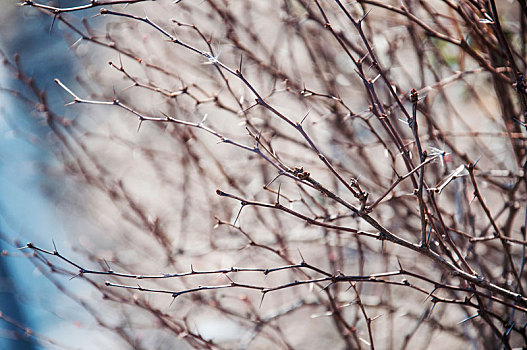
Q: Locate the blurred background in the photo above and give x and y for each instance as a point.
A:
(28, 209)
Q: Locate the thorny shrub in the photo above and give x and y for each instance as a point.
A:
(304, 173)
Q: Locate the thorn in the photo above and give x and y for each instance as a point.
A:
(364, 57)
(204, 119)
(107, 265)
(230, 279)
(128, 87)
(400, 265)
(326, 287)
(303, 260)
(431, 310)
(364, 17)
(428, 236)
(487, 19)
(396, 173)
(430, 294)
(52, 23)
(305, 116)
(472, 200)
(100, 13)
(261, 301)
(273, 180)
(520, 122)
(476, 162)
(166, 116)
(468, 318)
(375, 79)
(140, 123)
(238, 215)
(509, 329)
(121, 61)
(76, 42)
(303, 90)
